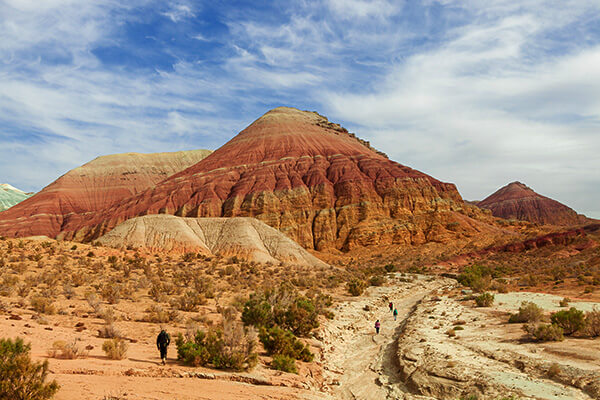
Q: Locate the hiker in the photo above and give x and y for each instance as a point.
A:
(395, 313)
(391, 305)
(377, 326)
(162, 342)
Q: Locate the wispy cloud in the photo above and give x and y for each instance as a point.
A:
(178, 11)
(477, 93)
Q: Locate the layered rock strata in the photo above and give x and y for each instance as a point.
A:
(307, 177)
(75, 197)
(518, 201)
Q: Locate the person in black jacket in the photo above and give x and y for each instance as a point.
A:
(162, 342)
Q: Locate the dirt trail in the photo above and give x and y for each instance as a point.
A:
(415, 357)
(358, 363)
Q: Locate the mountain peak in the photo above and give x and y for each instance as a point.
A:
(518, 201)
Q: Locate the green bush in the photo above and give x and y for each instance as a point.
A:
(21, 378)
(356, 287)
(221, 348)
(300, 317)
(571, 320)
(258, 311)
(282, 307)
(484, 300)
(390, 267)
(281, 342)
(528, 312)
(477, 277)
(544, 332)
(284, 363)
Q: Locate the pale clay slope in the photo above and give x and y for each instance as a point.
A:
(10, 196)
(246, 238)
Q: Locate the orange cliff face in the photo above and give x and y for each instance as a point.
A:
(104, 182)
(518, 201)
(305, 176)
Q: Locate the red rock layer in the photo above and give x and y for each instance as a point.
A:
(305, 176)
(517, 201)
(97, 185)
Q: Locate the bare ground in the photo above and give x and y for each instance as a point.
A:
(415, 358)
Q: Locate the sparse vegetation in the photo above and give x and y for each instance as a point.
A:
(20, 377)
(571, 321)
(356, 287)
(484, 300)
(230, 347)
(278, 341)
(115, 349)
(284, 363)
(528, 312)
(592, 323)
(544, 332)
(67, 350)
(42, 304)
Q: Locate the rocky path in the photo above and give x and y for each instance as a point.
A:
(358, 363)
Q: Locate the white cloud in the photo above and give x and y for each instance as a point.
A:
(178, 11)
(348, 9)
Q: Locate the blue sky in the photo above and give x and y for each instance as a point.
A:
(478, 93)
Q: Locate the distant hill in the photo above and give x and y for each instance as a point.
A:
(11, 196)
(518, 201)
(97, 185)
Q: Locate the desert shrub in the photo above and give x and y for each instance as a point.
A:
(528, 312)
(109, 331)
(159, 315)
(69, 351)
(258, 311)
(554, 370)
(592, 323)
(20, 377)
(111, 292)
(389, 267)
(377, 280)
(544, 332)
(282, 342)
(42, 304)
(115, 349)
(284, 363)
(189, 301)
(500, 286)
(484, 300)
(571, 320)
(300, 317)
(229, 348)
(356, 287)
(283, 307)
(477, 277)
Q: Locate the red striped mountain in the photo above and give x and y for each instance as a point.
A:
(104, 182)
(307, 177)
(518, 201)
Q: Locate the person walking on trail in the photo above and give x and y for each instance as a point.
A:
(391, 305)
(162, 342)
(395, 313)
(377, 326)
